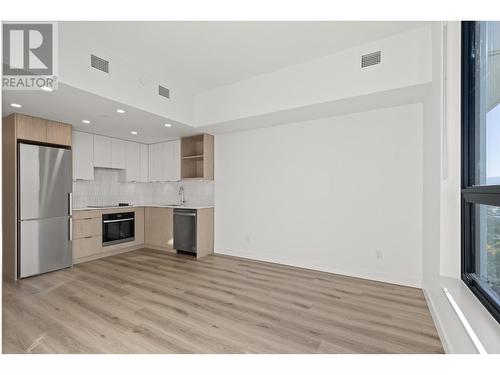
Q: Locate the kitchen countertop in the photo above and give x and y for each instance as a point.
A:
(142, 205)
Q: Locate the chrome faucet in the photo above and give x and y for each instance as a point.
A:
(181, 193)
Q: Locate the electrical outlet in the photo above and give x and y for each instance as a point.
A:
(247, 239)
(380, 255)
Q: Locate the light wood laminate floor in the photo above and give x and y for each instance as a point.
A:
(145, 301)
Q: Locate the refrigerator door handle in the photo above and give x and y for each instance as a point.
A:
(70, 229)
(70, 204)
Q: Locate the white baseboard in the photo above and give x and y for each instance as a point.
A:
(360, 273)
(437, 322)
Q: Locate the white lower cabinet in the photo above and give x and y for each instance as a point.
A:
(83, 156)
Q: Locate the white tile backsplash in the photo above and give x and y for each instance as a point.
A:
(106, 189)
(196, 193)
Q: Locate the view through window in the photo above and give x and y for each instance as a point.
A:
(481, 161)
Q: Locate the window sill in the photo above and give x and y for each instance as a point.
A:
(482, 322)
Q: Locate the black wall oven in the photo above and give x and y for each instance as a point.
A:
(118, 228)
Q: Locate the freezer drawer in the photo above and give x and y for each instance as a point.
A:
(44, 245)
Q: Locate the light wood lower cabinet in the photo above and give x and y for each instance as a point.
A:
(159, 227)
(154, 228)
(86, 214)
(87, 234)
(87, 246)
(204, 232)
(87, 227)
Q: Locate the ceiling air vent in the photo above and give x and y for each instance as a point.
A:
(370, 59)
(163, 91)
(99, 64)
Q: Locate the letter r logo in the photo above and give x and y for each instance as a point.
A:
(27, 49)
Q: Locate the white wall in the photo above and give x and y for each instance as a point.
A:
(326, 194)
(450, 184)
(406, 62)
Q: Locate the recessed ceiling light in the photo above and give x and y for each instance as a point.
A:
(120, 111)
(86, 121)
(16, 105)
(45, 88)
(168, 125)
(134, 133)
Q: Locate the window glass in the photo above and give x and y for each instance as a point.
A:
(488, 246)
(487, 102)
(481, 162)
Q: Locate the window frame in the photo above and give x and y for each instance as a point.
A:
(472, 194)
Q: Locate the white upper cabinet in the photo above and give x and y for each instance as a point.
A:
(164, 161)
(118, 154)
(109, 152)
(144, 163)
(154, 162)
(102, 152)
(174, 164)
(83, 156)
(133, 164)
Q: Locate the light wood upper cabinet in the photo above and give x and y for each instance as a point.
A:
(31, 128)
(36, 129)
(197, 157)
(118, 154)
(58, 133)
(102, 151)
(83, 156)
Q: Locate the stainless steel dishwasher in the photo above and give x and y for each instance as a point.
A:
(185, 230)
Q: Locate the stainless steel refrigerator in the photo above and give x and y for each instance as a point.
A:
(44, 209)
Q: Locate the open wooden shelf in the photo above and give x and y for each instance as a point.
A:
(197, 157)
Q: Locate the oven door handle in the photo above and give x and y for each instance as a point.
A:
(117, 220)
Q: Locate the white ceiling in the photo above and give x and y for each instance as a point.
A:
(194, 56)
(198, 56)
(71, 105)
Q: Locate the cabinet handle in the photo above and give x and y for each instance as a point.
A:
(70, 204)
